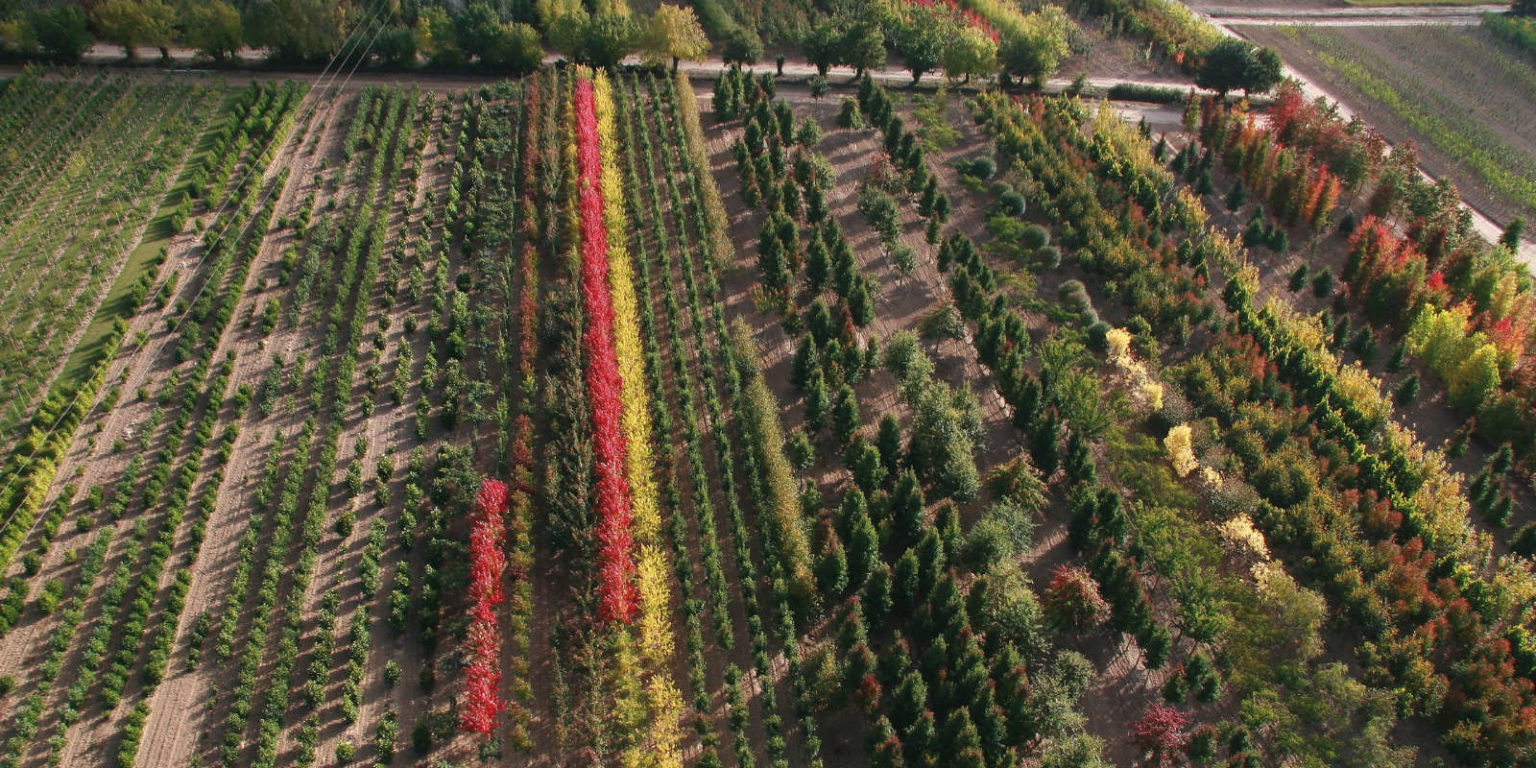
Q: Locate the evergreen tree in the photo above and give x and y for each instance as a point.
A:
(959, 740)
(817, 265)
(908, 702)
(815, 401)
(807, 360)
(853, 506)
(907, 505)
(877, 594)
(1044, 447)
(845, 414)
(863, 460)
(861, 305)
(888, 440)
(832, 570)
(1512, 233)
(929, 197)
(863, 550)
(1238, 197)
(905, 593)
(1080, 467)
(930, 562)
(1524, 541)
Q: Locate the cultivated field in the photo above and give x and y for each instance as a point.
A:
(601, 417)
(90, 163)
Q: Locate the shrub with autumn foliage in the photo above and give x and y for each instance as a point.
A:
(1159, 734)
(482, 700)
(1072, 600)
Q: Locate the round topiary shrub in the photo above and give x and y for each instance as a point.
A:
(979, 168)
(1011, 203)
(1048, 257)
(1035, 237)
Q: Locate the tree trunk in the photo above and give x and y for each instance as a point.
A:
(674, 65)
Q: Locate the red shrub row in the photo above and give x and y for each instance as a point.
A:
(482, 700)
(618, 595)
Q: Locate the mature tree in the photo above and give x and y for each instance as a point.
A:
(476, 29)
(61, 32)
(864, 48)
(1238, 64)
(970, 53)
(823, 45)
(1265, 71)
(396, 47)
(1037, 49)
(566, 32)
(742, 46)
(131, 23)
(213, 28)
(921, 43)
(299, 30)
(515, 50)
(673, 32)
(437, 38)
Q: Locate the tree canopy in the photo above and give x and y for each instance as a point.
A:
(213, 28)
(1238, 64)
(131, 23)
(673, 33)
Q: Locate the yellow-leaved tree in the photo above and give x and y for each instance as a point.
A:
(1181, 451)
(673, 32)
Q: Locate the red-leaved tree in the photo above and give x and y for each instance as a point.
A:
(1159, 734)
(618, 595)
(482, 641)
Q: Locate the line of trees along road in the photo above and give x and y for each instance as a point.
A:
(961, 39)
(504, 36)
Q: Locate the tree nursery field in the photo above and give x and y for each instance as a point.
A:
(613, 416)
